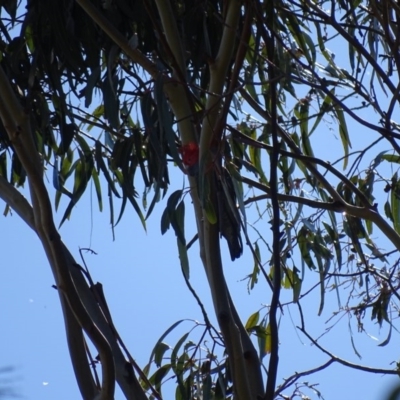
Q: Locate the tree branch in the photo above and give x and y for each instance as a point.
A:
(271, 103)
(347, 363)
(295, 377)
(172, 34)
(22, 139)
(218, 73)
(11, 196)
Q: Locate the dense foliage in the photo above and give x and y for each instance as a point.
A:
(287, 152)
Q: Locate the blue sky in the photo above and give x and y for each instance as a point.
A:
(145, 291)
(146, 294)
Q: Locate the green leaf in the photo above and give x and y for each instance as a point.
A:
(238, 188)
(97, 186)
(301, 166)
(301, 111)
(388, 211)
(387, 340)
(56, 180)
(263, 332)
(136, 207)
(182, 250)
(163, 336)
(297, 282)
(111, 204)
(174, 354)
(322, 271)
(11, 7)
(294, 25)
(256, 267)
(207, 388)
(102, 166)
(344, 134)
(250, 88)
(379, 308)
(180, 222)
(173, 216)
(326, 106)
(165, 221)
(391, 158)
(166, 121)
(155, 199)
(354, 347)
(3, 164)
(304, 247)
(18, 174)
(159, 351)
(83, 172)
(210, 212)
(159, 375)
(66, 166)
(351, 32)
(111, 101)
(29, 38)
(334, 236)
(293, 281)
(252, 321)
(255, 158)
(91, 83)
(67, 132)
(178, 364)
(395, 202)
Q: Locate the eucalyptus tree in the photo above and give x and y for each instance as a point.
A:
(242, 99)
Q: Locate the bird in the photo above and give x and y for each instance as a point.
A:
(228, 215)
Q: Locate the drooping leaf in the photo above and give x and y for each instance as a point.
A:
(11, 7)
(210, 211)
(161, 339)
(159, 351)
(56, 180)
(165, 221)
(83, 173)
(344, 134)
(252, 321)
(326, 106)
(67, 132)
(175, 351)
(238, 188)
(182, 249)
(97, 186)
(256, 268)
(394, 158)
(172, 214)
(165, 121)
(157, 378)
(334, 236)
(111, 101)
(130, 195)
(322, 267)
(388, 211)
(263, 333)
(255, 157)
(178, 363)
(91, 82)
(293, 281)
(380, 308)
(102, 166)
(302, 113)
(395, 202)
(387, 340)
(304, 247)
(18, 173)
